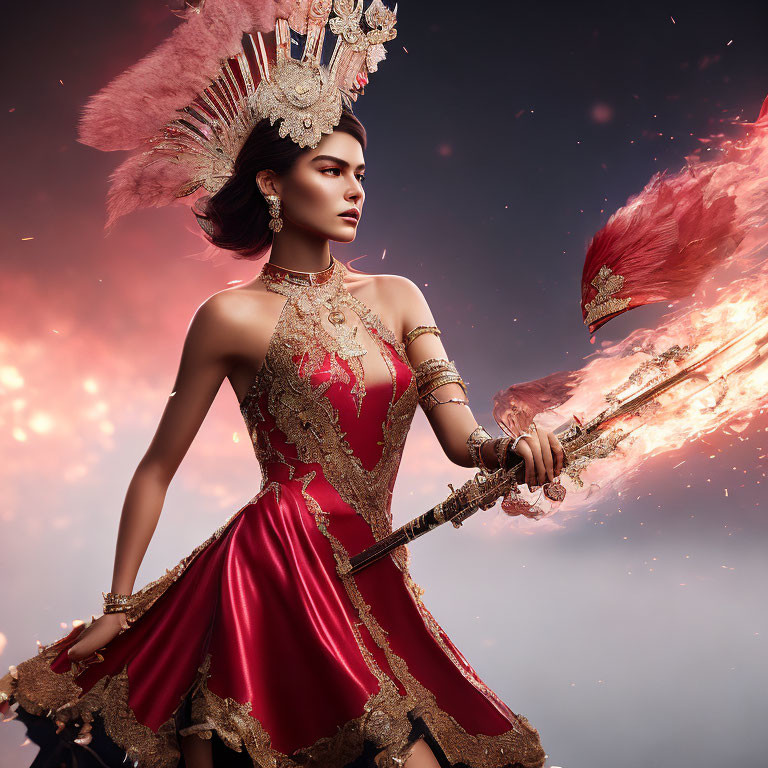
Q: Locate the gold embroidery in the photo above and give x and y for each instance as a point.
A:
(308, 303)
(384, 721)
(521, 741)
(606, 283)
(310, 421)
(233, 722)
(41, 691)
(158, 749)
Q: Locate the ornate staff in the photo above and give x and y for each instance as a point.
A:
(479, 492)
(581, 443)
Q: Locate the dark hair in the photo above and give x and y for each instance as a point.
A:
(236, 218)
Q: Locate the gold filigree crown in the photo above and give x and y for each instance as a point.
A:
(304, 94)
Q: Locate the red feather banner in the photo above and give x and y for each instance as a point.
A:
(663, 243)
(658, 247)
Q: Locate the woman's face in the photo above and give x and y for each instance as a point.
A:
(323, 184)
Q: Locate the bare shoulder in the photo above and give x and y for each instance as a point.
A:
(223, 310)
(405, 302)
(397, 291)
(396, 286)
(226, 318)
(403, 292)
(237, 303)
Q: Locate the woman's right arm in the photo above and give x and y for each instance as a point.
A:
(208, 353)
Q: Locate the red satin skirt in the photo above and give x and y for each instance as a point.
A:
(256, 641)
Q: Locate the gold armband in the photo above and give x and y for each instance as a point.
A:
(433, 369)
(475, 442)
(433, 373)
(418, 330)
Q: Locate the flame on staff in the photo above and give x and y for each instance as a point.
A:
(728, 329)
(724, 323)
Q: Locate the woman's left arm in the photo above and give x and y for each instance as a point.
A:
(446, 405)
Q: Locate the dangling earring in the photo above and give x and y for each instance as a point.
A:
(275, 222)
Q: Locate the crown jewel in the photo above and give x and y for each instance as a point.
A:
(304, 94)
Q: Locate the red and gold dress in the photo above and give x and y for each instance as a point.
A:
(257, 638)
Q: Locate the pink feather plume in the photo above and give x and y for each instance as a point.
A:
(137, 103)
(515, 407)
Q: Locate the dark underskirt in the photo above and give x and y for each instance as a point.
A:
(60, 750)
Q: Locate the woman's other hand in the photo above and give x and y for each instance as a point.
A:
(94, 637)
(543, 455)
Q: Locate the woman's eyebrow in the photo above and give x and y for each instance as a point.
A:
(338, 160)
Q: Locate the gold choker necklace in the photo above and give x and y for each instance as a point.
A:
(273, 272)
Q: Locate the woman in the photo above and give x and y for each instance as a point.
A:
(258, 648)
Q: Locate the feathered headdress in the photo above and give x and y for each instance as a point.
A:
(189, 106)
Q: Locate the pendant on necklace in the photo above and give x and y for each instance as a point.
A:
(348, 344)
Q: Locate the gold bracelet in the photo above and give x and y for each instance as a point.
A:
(475, 442)
(418, 330)
(114, 602)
